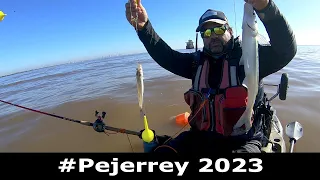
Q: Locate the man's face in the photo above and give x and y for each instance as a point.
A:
(215, 43)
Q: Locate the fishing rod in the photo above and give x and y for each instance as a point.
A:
(98, 125)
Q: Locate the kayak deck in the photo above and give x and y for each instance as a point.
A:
(276, 141)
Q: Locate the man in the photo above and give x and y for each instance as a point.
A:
(217, 98)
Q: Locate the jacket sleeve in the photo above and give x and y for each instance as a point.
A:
(282, 47)
(176, 62)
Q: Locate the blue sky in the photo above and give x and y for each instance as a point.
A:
(37, 33)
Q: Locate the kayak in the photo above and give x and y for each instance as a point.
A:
(275, 137)
(276, 142)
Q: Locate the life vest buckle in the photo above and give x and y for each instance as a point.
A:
(210, 93)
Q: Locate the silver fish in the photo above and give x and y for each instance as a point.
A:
(140, 86)
(250, 60)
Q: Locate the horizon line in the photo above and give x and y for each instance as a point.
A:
(95, 58)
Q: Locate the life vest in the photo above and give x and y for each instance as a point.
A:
(217, 108)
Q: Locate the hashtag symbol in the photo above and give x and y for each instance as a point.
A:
(67, 165)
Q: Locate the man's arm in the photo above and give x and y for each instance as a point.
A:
(171, 60)
(283, 44)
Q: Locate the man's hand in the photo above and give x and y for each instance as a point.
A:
(131, 14)
(258, 4)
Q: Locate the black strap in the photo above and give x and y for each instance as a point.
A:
(195, 64)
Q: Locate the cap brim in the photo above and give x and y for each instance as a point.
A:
(219, 21)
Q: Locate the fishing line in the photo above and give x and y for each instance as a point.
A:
(130, 143)
(200, 107)
(147, 134)
(135, 19)
(108, 133)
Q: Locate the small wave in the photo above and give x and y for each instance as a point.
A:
(46, 77)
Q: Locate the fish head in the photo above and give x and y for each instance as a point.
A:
(250, 19)
(139, 71)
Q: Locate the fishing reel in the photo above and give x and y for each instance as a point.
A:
(99, 125)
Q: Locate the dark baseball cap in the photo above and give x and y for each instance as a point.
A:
(212, 16)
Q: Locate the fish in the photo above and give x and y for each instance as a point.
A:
(250, 60)
(147, 134)
(140, 86)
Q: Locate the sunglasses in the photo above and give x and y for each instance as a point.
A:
(217, 30)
